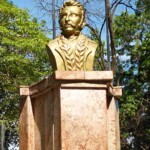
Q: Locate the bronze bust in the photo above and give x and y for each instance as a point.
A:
(72, 51)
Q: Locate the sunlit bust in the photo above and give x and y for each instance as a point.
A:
(72, 51)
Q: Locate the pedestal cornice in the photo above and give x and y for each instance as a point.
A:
(81, 79)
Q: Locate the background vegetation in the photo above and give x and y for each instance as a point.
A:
(23, 61)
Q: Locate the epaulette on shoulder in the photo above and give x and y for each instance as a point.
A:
(55, 41)
(88, 39)
(91, 41)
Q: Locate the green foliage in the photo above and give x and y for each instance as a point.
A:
(99, 52)
(23, 60)
(133, 44)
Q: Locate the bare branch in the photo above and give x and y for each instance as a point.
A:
(128, 5)
(112, 37)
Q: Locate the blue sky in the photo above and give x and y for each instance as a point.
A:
(27, 4)
(24, 3)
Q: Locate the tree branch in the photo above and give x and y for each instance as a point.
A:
(112, 37)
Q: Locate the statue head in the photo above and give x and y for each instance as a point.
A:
(71, 18)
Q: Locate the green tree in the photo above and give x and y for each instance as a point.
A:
(133, 45)
(23, 61)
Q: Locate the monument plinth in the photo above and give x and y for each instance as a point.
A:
(70, 110)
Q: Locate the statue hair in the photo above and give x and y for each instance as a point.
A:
(74, 3)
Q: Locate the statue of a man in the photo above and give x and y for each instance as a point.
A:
(72, 51)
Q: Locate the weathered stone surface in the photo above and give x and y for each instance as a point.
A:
(26, 127)
(84, 75)
(84, 119)
(62, 113)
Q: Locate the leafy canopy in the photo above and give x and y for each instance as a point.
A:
(23, 60)
(133, 45)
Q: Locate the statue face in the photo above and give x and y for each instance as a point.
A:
(70, 19)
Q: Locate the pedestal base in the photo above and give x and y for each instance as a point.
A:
(70, 111)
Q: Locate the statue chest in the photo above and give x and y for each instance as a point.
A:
(74, 54)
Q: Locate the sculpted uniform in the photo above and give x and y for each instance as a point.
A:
(73, 54)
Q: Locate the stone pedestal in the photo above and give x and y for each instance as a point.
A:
(70, 111)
